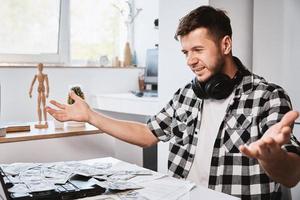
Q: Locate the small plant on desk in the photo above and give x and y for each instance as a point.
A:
(78, 92)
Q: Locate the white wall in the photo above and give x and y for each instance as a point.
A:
(268, 37)
(277, 44)
(291, 65)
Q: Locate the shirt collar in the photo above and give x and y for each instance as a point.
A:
(246, 84)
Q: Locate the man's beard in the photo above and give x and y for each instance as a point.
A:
(219, 66)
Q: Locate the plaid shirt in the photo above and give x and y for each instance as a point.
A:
(255, 107)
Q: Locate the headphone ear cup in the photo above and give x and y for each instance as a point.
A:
(219, 86)
(198, 89)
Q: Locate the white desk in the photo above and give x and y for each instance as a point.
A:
(196, 193)
(126, 103)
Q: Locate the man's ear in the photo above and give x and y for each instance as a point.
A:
(226, 45)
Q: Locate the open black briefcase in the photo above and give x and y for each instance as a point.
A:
(76, 187)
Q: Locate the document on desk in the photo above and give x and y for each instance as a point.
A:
(156, 185)
(166, 188)
(144, 179)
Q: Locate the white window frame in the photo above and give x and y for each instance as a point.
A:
(62, 56)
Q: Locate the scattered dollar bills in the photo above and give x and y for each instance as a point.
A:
(37, 177)
(117, 185)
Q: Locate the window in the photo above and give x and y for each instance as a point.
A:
(95, 29)
(24, 26)
(61, 31)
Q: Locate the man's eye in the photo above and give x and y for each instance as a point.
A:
(185, 53)
(198, 50)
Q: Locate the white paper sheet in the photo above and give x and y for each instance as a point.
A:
(166, 188)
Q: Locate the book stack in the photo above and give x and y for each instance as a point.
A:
(17, 128)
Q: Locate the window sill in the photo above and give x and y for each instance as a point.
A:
(49, 133)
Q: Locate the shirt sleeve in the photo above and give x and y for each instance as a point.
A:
(276, 106)
(160, 124)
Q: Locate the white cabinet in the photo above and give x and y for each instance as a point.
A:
(126, 103)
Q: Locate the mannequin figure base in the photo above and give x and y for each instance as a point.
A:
(41, 126)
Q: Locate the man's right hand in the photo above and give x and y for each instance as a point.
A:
(128, 131)
(79, 111)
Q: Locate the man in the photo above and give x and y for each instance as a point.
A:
(224, 111)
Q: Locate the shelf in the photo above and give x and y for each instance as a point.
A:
(49, 133)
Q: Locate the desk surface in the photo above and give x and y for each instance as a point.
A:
(197, 192)
(48, 133)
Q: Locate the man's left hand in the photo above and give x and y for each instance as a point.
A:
(268, 149)
(273, 139)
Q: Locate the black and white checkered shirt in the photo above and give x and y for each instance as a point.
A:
(255, 107)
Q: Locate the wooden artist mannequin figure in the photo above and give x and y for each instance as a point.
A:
(43, 93)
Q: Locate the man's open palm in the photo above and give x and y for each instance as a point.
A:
(79, 111)
(270, 144)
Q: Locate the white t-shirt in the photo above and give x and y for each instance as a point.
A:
(213, 113)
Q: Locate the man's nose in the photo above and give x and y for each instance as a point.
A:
(192, 60)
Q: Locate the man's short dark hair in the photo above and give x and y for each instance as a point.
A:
(214, 20)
